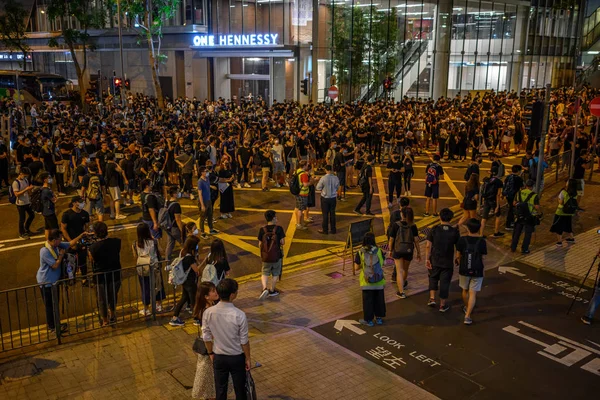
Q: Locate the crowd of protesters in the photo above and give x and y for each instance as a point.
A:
(110, 157)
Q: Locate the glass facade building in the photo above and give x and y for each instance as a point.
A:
(251, 48)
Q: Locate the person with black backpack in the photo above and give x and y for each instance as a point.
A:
(527, 209)
(491, 195)
(470, 250)
(439, 258)
(369, 261)
(403, 243)
(271, 239)
(151, 205)
(92, 190)
(512, 185)
(365, 182)
(48, 199)
(21, 190)
(563, 217)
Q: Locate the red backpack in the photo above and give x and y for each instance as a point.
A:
(269, 246)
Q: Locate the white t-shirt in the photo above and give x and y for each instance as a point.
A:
(19, 185)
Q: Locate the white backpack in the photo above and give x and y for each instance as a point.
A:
(176, 273)
(209, 274)
(145, 257)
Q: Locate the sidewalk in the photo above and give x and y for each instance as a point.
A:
(157, 362)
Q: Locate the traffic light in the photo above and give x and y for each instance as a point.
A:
(127, 84)
(118, 82)
(304, 87)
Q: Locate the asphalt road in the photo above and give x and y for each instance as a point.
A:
(522, 345)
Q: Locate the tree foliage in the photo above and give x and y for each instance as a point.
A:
(149, 17)
(365, 47)
(76, 18)
(13, 27)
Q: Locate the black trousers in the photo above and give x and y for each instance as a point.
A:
(234, 365)
(366, 199)
(47, 297)
(107, 297)
(188, 295)
(373, 304)
(187, 183)
(24, 225)
(242, 175)
(394, 186)
(328, 212)
(510, 216)
(521, 227)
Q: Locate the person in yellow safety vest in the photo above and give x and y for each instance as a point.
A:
(527, 209)
(369, 260)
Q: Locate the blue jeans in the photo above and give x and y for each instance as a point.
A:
(594, 303)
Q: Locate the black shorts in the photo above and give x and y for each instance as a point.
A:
(489, 210)
(403, 256)
(562, 224)
(432, 191)
(50, 222)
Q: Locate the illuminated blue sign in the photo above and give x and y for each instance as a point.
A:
(254, 40)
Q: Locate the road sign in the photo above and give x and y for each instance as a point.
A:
(333, 92)
(595, 107)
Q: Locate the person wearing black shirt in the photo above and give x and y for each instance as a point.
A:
(218, 257)
(73, 223)
(366, 186)
(177, 233)
(271, 268)
(112, 176)
(581, 164)
(4, 158)
(512, 184)
(101, 157)
(189, 252)
(151, 204)
(35, 166)
(106, 259)
(491, 196)
(244, 159)
(439, 258)
(395, 167)
(473, 168)
(127, 165)
(339, 167)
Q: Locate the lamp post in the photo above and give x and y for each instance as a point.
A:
(123, 77)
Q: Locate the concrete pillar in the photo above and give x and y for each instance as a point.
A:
(222, 82)
(441, 56)
(278, 79)
(314, 93)
(188, 61)
(518, 59)
(200, 79)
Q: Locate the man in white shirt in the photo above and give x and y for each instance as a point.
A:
(225, 333)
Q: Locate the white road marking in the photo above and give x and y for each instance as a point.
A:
(348, 324)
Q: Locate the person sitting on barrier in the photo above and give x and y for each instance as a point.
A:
(106, 259)
(50, 271)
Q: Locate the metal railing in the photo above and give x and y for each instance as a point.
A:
(558, 169)
(75, 307)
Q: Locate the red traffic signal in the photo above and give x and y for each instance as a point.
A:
(118, 82)
(127, 84)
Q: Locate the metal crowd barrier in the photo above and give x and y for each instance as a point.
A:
(76, 306)
(558, 169)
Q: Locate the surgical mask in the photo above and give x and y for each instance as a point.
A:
(196, 231)
(50, 180)
(81, 206)
(207, 174)
(178, 195)
(407, 153)
(81, 144)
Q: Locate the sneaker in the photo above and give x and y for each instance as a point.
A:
(431, 303)
(192, 197)
(586, 320)
(145, 313)
(468, 321)
(204, 236)
(570, 240)
(498, 234)
(509, 228)
(264, 294)
(176, 321)
(525, 252)
(444, 308)
(239, 186)
(401, 295)
(62, 194)
(229, 215)
(159, 308)
(24, 236)
(357, 212)
(112, 216)
(436, 214)
(559, 244)
(278, 185)
(213, 231)
(310, 219)
(246, 185)
(224, 216)
(301, 227)
(197, 322)
(343, 199)
(273, 293)
(367, 323)
(379, 321)
(121, 216)
(426, 214)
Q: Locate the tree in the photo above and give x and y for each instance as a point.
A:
(150, 17)
(76, 18)
(13, 26)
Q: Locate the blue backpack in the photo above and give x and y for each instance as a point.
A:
(372, 265)
(432, 177)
